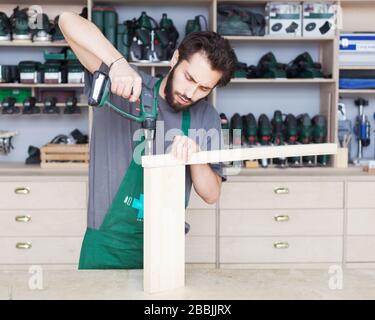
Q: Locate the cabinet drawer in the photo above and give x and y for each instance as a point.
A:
(200, 250)
(43, 195)
(202, 222)
(54, 223)
(361, 222)
(263, 250)
(281, 222)
(42, 250)
(361, 195)
(282, 195)
(360, 249)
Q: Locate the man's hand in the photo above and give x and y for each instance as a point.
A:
(125, 82)
(183, 147)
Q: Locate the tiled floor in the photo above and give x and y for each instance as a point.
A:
(201, 283)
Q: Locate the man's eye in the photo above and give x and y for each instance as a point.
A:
(187, 77)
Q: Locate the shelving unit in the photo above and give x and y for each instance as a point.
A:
(326, 47)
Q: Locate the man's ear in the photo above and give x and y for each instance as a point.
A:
(174, 58)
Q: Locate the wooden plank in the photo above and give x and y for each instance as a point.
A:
(243, 154)
(164, 234)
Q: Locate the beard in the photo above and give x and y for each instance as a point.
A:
(170, 93)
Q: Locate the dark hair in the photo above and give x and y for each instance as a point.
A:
(217, 50)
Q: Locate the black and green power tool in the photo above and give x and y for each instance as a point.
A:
(264, 134)
(278, 136)
(319, 134)
(305, 136)
(291, 137)
(99, 97)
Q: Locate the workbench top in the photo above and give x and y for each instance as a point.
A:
(20, 171)
(296, 174)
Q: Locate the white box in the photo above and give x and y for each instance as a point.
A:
(284, 19)
(319, 19)
(357, 49)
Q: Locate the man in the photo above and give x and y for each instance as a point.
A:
(203, 61)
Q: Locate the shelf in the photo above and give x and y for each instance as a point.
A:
(282, 80)
(33, 44)
(357, 91)
(41, 85)
(357, 67)
(277, 38)
(59, 104)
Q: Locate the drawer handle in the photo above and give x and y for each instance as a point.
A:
(23, 245)
(282, 218)
(26, 218)
(281, 245)
(22, 190)
(281, 190)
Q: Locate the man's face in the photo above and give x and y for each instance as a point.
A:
(190, 81)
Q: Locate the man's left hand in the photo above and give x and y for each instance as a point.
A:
(183, 147)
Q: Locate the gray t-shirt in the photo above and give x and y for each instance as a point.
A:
(112, 145)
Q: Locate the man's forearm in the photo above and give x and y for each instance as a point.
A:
(89, 37)
(206, 182)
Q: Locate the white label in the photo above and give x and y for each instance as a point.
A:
(366, 47)
(75, 77)
(52, 75)
(28, 75)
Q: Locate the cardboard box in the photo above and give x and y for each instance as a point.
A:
(319, 19)
(284, 19)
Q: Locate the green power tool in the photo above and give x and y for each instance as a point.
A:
(99, 97)
(264, 134)
(320, 136)
(278, 136)
(305, 136)
(291, 137)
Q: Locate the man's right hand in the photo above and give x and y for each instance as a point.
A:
(125, 81)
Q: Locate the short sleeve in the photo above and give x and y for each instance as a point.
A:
(214, 138)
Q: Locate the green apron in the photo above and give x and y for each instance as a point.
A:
(118, 243)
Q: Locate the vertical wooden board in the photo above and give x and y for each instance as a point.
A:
(164, 228)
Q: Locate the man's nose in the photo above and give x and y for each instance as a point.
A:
(191, 91)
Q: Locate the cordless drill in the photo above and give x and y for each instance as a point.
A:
(264, 134)
(319, 133)
(278, 135)
(291, 137)
(305, 136)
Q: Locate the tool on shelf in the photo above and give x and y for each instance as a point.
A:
(303, 66)
(20, 24)
(29, 106)
(5, 27)
(278, 136)
(99, 97)
(363, 129)
(305, 136)
(9, 106)
(71, 106)
(319, 135)
(50, 106)
(264, 134)
(33, 155)
(194, 25)
(6, 141)
(291, 137)
(236, 135)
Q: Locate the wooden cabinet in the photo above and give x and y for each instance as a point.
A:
(361, 222)
(281, 221)
(281, 194)
(43, 217)
(201, 240)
